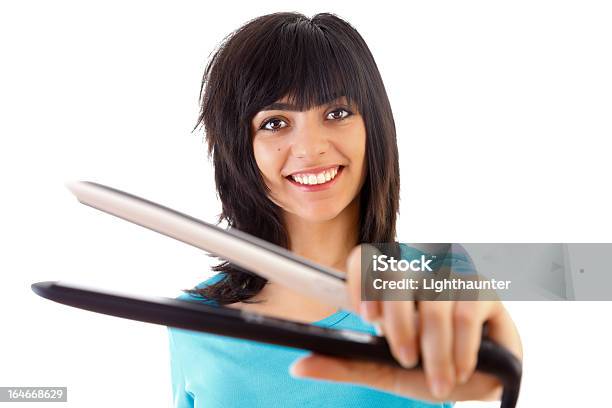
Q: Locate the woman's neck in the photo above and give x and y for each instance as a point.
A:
(327, 242)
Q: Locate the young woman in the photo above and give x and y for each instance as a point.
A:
(303, 143)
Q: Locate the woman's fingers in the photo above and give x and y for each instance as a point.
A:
(369, 310)
(407, 383)
(436, 338)
(468, 318)
(401, 330)
(344, 370)
(503, 331)
(353, 277)
(468, 335)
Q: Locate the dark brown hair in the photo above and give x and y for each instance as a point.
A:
(311, 61)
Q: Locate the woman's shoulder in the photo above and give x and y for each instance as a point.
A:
(183, 336)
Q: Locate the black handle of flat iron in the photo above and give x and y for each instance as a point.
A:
(197, 316)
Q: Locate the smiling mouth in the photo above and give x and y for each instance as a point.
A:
(318, 178)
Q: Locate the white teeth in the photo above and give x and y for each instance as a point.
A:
(319, 178)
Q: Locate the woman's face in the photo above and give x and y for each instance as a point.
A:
(312, 161)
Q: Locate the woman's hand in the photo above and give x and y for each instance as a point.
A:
(445, 334)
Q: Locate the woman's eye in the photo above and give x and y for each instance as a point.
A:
(338, 114)
(274, 125)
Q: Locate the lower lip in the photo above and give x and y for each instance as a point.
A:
(317, 187)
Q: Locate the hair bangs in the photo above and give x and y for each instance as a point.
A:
(305, 65)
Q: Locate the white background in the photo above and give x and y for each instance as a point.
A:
(503, 117)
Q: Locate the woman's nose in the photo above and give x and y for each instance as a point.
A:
(310, 142)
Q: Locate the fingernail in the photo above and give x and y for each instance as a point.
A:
(439, 387)
(293, 372)
(407, 357)
(463, 377)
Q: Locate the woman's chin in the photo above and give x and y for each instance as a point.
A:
(318, 214)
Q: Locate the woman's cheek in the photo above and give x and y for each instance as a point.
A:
(265, 156)
(268, 157)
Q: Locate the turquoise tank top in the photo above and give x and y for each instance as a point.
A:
(209, 371)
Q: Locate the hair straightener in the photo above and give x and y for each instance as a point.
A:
(262, 258)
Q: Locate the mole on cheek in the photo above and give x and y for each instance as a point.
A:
(278, 149)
